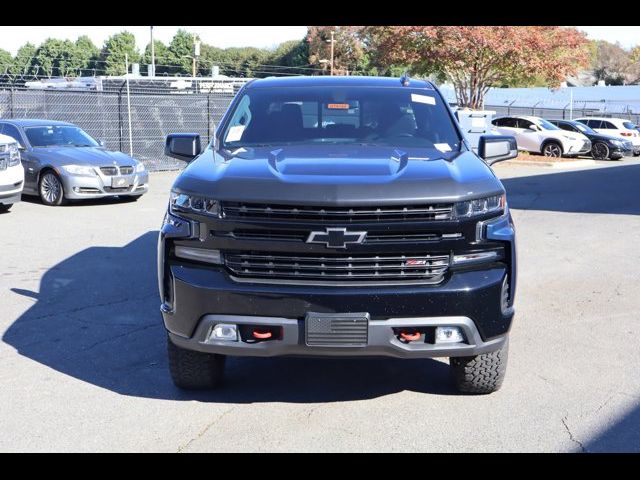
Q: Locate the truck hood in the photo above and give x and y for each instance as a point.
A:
(90, 156)
(338, 175)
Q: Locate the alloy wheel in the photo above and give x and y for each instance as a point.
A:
(552, 150)
(50, 188)
(599, 151)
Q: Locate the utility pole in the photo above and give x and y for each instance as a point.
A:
(153, 56)
(332, 41)
(196, 54)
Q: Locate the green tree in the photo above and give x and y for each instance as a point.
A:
(163, 57)
(114, 51)
(58, 58)
(86, 55)
(293, 54)
(181, 51)
(24, 60)
(6, 60)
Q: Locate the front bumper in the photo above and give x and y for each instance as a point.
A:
(11, 184)
(99, 186)
(382, 340)
(196, 295)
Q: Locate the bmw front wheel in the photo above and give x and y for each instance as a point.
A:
(51, 189)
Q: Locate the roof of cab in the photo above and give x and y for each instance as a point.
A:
(337, 81)
(33, 122)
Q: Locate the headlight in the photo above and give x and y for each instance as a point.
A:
(81, 170)
(181, 202)
(140, 167)
(568, 137)
(617, 143)
(14, 155)
(480, 206)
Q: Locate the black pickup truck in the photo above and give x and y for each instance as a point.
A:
(338, 216)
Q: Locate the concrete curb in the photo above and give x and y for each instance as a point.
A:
(535, 163)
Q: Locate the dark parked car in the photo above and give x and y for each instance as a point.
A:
(63, 162)
(338, 216)
(602, 146)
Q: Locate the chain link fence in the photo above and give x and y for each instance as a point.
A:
(105, 116)
(580, 109)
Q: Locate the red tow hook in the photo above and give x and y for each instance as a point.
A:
(409, 336)
(262, 334)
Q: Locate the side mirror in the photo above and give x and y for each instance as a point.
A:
(496, 148)
(183, 146)
(534, 128)
(102, 143)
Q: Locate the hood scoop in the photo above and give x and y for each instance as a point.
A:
(338, 164)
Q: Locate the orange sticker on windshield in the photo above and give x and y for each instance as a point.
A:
(338, 106)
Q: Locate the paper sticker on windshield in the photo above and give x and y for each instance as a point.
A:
(443, 147)
(235, 133)
(429, 100)
(338, 106)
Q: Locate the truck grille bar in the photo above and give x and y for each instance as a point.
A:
(243, 211)
(430, 268)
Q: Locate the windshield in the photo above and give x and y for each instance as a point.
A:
(547, 125)
(402, 117)
(59, 135)
(584, 128)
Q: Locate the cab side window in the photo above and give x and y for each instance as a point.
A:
(522, 123)
(608, 125)
(594, 123)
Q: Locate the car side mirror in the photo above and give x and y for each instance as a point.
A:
(102, 143)
(496, 148)
(183, 146)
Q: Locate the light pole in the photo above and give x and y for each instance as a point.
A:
(153, 56)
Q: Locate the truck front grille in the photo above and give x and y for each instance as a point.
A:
(372, 236)
(348, 268)
(245, 211)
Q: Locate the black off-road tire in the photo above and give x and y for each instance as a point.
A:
(191, 370)
(480, 374)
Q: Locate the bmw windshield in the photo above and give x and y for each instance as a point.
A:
(399, 117)
(58, 136)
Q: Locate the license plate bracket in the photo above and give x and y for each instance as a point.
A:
(337, 329)
(119, 182)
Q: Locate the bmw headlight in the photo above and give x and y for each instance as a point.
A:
(14, 155)
(80, 170)
(181, 202)
(617, 143)
(140, 167)
(480, 206)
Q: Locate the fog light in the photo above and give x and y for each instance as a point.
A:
(199, 254)
(449, 335)
(224, 331)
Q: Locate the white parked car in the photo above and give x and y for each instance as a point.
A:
(537, 135)
(616, 127)
(11, 173)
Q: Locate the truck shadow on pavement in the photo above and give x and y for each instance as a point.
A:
(96, 318)
(611, 190)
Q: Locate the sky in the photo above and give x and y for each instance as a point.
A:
(11, 38)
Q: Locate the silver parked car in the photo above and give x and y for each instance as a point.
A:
(63, 162)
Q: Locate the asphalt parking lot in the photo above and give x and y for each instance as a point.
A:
(83, 364)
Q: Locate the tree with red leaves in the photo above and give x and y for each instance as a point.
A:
(474, 58)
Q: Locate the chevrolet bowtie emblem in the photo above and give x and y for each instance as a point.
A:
(336, 237)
